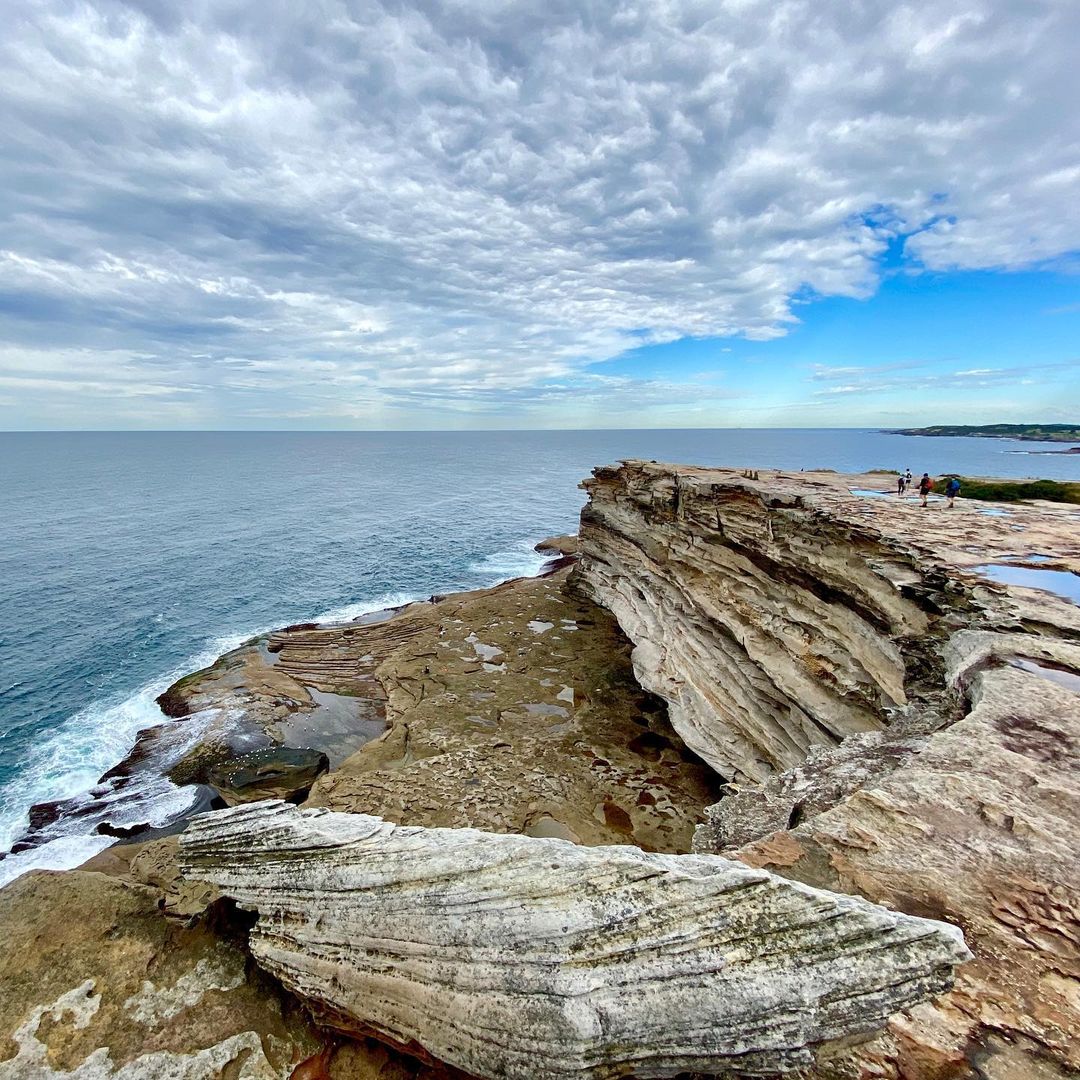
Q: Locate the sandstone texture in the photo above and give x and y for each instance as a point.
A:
(816, 674)
(515, 709)
(519, 957)
(95, 984)
(512, 709)
(891, 723)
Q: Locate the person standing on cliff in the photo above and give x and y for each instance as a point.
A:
(908, 478)
(952, 489)
(926, 485)
(901, 483)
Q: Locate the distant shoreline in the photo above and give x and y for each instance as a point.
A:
(1023, 432)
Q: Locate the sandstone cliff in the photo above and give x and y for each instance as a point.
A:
(894, 725)
(889, 723)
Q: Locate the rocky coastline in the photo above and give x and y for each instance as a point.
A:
(773, 684)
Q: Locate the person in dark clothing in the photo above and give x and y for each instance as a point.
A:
(952, 489)
(926, 485)
(901, 483)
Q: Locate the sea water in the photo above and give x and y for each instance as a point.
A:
(129, 559)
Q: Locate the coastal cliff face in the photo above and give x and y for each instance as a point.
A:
(880, 721)
(895, 725)
(768, 626)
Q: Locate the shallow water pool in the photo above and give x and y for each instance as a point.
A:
(1060, 582)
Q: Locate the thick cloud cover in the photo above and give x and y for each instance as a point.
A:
(370, 212)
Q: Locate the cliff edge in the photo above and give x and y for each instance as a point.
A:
(892, 722)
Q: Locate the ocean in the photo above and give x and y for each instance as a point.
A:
(129, 559)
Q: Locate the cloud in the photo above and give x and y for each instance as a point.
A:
(829, 372)
(302, 209)
(920, 377)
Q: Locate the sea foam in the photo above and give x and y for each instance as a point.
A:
(68, 764)
(69, 761)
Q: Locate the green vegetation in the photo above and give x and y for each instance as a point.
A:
(1031, 432)
(1012, 490)
(883, 472)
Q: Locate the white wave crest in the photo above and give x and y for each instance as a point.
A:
(520, 560)
(69, 761)
(349, 612)
(61, 854)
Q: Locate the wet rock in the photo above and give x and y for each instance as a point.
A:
(280, 772)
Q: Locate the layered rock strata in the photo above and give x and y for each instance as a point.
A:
(767, 624)
(512, 709)
(519, 957)
(894, 724)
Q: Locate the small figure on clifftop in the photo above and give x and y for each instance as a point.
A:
(901, 483)
(952, 489)
(926, 485)
(908, 478)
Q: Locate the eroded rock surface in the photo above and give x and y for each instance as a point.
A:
(96, 984)
(768, 625)
(780, 614)
(978, 828)
(518, 957)
(515, 709)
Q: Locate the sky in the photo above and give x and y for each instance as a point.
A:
(504, 213)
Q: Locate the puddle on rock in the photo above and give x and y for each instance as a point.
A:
(545, 710)
(1060, 582)
(338, 725)
(269, 658)
(549, 828)
(866, 493)
(991, 511)
(1069, 679)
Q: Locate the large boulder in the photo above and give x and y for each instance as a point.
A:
(518, 957)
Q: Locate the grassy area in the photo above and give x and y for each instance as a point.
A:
(1012, 490)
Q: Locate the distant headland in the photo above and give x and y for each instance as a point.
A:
(1028, 432)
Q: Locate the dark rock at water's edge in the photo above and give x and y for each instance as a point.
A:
(278, 772)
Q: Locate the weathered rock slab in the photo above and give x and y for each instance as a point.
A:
(518, 957)
(978, 828)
